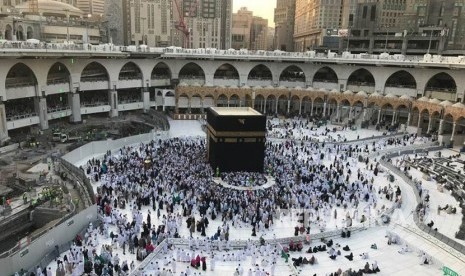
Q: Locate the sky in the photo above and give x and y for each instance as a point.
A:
(262, 8)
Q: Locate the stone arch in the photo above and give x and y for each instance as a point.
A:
(402, 113)
(226, 71)
(20, 75)
(306, 105)
(282, 104)
(195, 103)
(208, 100)
(260, 72)
(130, 71)
(161, 71)
(401, 79)
(58, 73)
(248, 100)
(8, 32)
(259, 103)
(448, 124)
(271, 104)
(192, 70)
(292, 73)
(20, 33)
(361, 77)
(234, 100)
(325, 74)
(331, 106)
(441, 86)
(29, 33)
(222, 100)
(434, 120)
(294, 104)
(183, 102)
(94, 71)
(424, 116)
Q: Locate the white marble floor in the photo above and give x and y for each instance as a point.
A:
(387, 257)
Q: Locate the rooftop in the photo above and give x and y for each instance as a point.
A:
(235, 111)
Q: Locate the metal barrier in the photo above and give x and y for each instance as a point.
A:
(238, 244)
(82, 178)
(424, 148)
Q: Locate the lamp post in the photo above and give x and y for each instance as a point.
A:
(348, 39)
(67, 25)
(429, 44)
(87, 27)
(385, 43)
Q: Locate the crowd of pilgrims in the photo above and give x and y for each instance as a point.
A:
(244, 179)
(172, 178)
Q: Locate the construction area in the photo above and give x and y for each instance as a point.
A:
(35, 190)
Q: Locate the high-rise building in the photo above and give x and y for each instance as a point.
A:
(259, 34)
(316, 19)
(248, 31)
(113, 22)
(270, 44)
(208, 22)
(408, 26)
(241, 28)
(93, 7)
(147, 22)
(284, 16)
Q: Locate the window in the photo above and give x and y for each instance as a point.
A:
(365, 9)
(373, 13)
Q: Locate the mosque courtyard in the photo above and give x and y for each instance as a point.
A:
(243, 253)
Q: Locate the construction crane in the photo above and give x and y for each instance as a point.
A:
(182, 25)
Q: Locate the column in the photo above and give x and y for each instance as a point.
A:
(176, 105)
(311, 111)
(288, 105)
(430, 123)
(364, 113)
(113, 100)
(324, 109)
(371, 45)
(404, 46)
(277, 102)
(393, 117)
(409, 118)
(441, 127)
(145, 95)
(40, 106)
(379, 116)
(419, 120)
(452, 136)
(300, 107)
(74, 100)
(253, 99)
(3, 126)
(264, 106)
(350, 113)
(337, 112)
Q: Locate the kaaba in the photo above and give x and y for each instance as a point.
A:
(235, 139)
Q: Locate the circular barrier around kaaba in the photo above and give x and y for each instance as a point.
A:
(270, 181)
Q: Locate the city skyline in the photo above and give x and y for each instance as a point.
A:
(262, 8)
